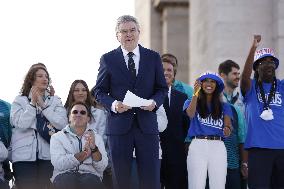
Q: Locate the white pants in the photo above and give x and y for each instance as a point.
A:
(206, 155)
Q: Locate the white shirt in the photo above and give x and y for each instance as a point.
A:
(136, 57)
(169, 95)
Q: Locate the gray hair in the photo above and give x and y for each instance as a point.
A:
(124, 19)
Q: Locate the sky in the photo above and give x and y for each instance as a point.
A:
(68, 36)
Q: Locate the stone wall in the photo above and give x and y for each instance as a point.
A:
(203, 33)
(165, 28)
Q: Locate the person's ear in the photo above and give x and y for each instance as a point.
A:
(117, 37)
(223, 75)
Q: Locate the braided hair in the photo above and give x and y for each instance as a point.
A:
(259, 89)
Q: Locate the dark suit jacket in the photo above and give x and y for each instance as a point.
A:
(172, 139)
(114, 80)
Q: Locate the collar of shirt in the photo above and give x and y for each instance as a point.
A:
(229, 97)
(136, 57)
(169, 94)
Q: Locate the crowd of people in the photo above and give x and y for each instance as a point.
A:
(226, 131)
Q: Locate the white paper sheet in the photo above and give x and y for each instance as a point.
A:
(133, 100)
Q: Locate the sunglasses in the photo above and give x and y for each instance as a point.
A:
(82, 112)
(266, 63)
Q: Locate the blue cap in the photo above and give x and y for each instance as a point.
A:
(264, 52)
(215, 77)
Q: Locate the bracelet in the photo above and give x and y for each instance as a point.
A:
(196, 93)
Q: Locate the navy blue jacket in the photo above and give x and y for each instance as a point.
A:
(114, 80)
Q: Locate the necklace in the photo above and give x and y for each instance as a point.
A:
(270, 95)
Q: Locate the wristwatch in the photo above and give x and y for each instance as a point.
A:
(93, 150)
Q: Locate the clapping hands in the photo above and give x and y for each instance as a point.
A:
(89, 144)
(90, 140)
(36, 97)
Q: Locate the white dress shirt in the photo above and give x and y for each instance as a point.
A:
(169, 95)
(136, 57)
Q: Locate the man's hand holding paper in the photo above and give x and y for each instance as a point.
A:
(120, 107)
(133, 100)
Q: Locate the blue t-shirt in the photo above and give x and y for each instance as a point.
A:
(261, 133)
(207, 126)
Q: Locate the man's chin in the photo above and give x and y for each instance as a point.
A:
(129, 48)
(268, 77)
(233, 85)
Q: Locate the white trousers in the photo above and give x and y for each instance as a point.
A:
(207, 155)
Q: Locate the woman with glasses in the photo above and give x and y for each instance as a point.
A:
(35, 116)
(77, 152)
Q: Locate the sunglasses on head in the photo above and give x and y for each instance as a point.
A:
(82, 112)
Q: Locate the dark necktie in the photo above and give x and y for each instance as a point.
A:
(131, 65)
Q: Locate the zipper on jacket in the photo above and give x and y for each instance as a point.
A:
(80, 150)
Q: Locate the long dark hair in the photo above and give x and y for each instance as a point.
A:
(216, 105)
(30, 79)
(70, 99)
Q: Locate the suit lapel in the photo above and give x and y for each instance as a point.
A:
(142, 63)
(173, 96)
(122, 64)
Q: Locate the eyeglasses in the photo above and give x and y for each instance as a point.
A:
(125, 32)
(82, 112)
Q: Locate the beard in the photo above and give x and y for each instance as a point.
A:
(232, 84)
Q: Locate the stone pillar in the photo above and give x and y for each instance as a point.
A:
(221, 30)
(165, 29)
(175, 38)
(150, 21)
(278, 34)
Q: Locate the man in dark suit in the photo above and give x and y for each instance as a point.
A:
(173, 165)
(139, 70)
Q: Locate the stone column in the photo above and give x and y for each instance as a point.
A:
(150, 21)
(165, 29)
(175, 38)
(278, 34)
(221, 30)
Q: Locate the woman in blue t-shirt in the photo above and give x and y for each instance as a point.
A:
(210, 123)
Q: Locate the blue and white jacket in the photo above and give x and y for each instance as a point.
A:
(26, 142)
(65, 144)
